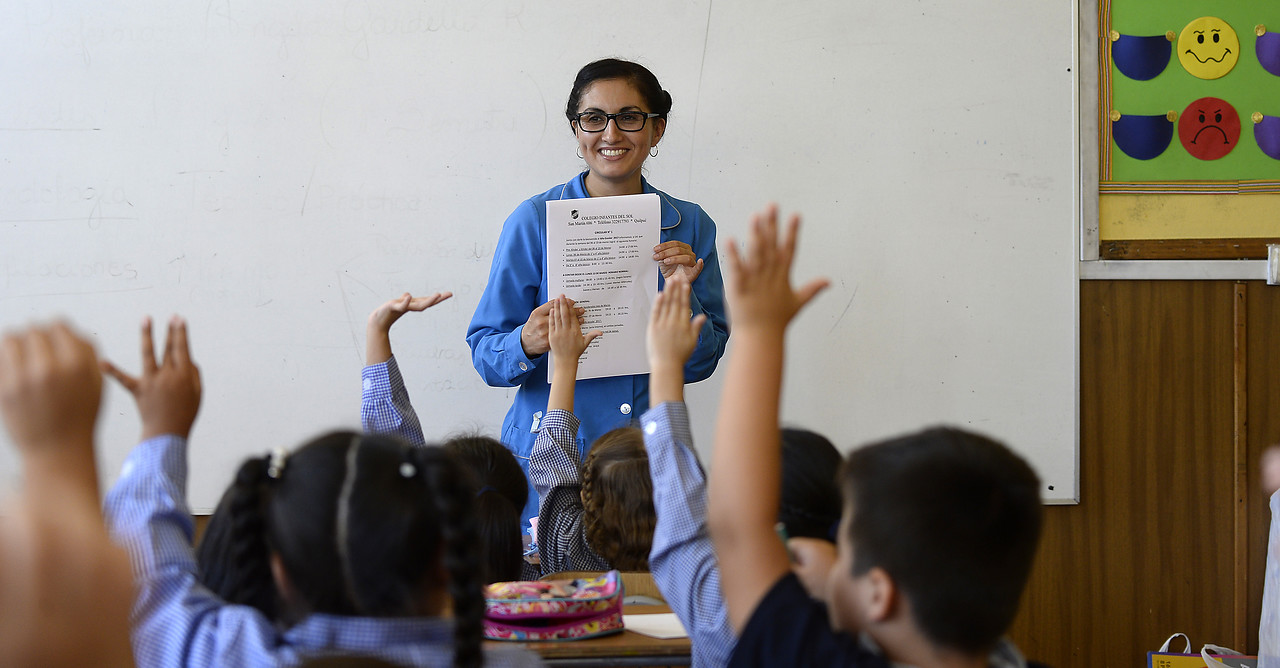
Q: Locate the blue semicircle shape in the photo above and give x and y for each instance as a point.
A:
(1267, 134)
(1268, 49)
(1141, 58)
(1142, 137)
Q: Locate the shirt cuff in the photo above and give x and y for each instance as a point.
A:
(166, 453)
(558, 418)
(673, 415)
(371, 374)
(519, 363)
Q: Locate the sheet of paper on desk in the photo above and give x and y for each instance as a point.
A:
(662, 625)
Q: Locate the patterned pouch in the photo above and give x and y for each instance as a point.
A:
(554, 609)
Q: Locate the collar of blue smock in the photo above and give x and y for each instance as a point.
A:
(577, 189)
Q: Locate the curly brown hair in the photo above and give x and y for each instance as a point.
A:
(617, 499)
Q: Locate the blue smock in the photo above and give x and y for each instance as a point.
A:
(518, 284)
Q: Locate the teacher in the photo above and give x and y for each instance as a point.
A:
(618, 113)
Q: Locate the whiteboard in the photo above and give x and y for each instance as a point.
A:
(275, 170)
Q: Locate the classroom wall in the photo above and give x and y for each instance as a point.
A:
(275, 170)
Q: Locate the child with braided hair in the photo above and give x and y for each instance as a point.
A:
(385, 407)
(367, 542)
(598, 514)
(501, 486)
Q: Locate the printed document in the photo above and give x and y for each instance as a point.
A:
(600, 254)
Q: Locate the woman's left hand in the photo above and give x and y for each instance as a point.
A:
(677, 256)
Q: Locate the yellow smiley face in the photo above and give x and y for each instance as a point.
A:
(1208, 48)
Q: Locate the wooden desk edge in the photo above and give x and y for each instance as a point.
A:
(625, 644)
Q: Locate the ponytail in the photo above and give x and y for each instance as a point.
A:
(248, 578)
(451, 494)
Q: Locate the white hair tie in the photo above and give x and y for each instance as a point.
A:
(275, 463)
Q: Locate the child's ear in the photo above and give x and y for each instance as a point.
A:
(880, 595)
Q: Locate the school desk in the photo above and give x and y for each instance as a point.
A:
(620, 649)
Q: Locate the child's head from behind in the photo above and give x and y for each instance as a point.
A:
(617, 498)
(810, 502)
(952, 519)
(360, 525)
(500, 495)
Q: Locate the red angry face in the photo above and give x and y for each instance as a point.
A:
(1209, 128)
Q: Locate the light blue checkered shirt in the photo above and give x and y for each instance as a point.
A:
(553, 470)
(682, 560)
(177, 622)
(384, 403)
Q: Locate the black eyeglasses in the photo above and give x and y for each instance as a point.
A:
(627, 121)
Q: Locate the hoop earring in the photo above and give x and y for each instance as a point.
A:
(653, 152)
(579, 152)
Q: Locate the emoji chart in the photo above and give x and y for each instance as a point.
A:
(1190, 90)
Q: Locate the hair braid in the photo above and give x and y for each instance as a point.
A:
(448, 483)
(250, 580)
(592, 505)
(618, 517)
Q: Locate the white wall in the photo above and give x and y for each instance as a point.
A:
(273, 171)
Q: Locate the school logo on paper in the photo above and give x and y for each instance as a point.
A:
(573, 214)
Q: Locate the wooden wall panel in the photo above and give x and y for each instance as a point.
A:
(1263, 304)
(1148, 551)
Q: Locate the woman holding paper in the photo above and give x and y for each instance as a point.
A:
(618, 113)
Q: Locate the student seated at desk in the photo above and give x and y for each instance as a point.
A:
(598, 514)
(937, 536)
(682, 558)
(368, 542)
(385, 408)
(501, 483)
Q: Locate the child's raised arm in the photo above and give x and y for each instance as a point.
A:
(743, 489)
(671, 339)
(377, 347)
(384, 399)
(567, 345)
(67, 589)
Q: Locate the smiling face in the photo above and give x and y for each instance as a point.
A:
(1209, 128)
(1208, 48)
(614, 157)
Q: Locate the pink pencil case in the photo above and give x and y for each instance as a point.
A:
(554, 609)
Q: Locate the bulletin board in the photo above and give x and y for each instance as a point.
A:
(1189, 113)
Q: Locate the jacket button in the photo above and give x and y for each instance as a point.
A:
(625, 408)
(524, 367)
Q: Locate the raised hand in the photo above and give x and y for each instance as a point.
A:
(759, 287)
(378, 330)
(534, 338)
(50, 390)
(672, 337)
(168, 392)
(742, 516)
(565, 334)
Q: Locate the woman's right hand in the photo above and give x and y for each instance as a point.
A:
(534, 338)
